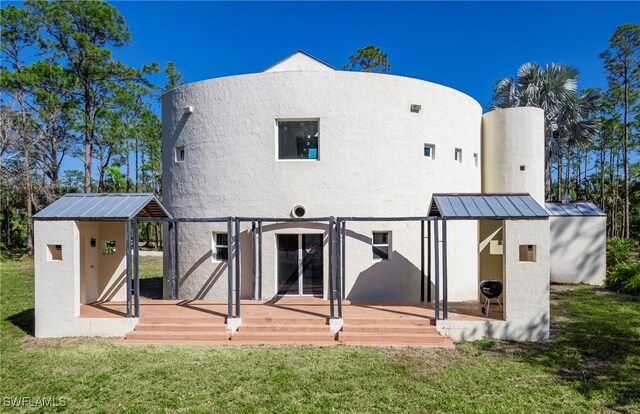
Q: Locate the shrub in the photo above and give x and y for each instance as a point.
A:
(625, 278)
(619, 251)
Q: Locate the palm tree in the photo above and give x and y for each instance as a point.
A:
(578, 126)
(553, 89)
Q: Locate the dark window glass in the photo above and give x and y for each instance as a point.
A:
(222, 246)
(381, 252)
(298, 140)
(380, 245)
(380, 238)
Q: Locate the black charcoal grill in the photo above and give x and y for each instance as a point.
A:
(491, 289)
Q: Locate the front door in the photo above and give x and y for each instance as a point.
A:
(300, 264)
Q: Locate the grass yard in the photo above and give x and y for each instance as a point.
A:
(151, 277)
(592, 364)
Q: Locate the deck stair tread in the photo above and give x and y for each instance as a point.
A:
(180, 335)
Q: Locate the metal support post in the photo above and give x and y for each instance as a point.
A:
(229, 269)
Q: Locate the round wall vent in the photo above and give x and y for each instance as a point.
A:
(298, 211)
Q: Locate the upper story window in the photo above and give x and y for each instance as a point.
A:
(179, 154)
(458, 156)
(430, 151)
(298, 140)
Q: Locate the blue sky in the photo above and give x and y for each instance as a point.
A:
(463, 45)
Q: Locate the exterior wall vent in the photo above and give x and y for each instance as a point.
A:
(298, 211)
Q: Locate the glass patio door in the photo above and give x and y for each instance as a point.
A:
(300, 268)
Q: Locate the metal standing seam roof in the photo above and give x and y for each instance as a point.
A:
(93, 206)
(573, 209)
(486, 206)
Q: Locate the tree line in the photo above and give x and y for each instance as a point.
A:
(65, 95)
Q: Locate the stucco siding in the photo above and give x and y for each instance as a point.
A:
(526, 290)
(578, 249)
(371, 162)
(58, 282)
(512, 139)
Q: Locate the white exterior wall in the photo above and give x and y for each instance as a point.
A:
(578, 249)
(526, 290)
(57, 287)
(371, 163)
(511, 138)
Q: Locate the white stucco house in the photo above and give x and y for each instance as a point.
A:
(304, 180)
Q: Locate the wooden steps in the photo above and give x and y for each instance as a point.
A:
(288, 328)
(284, 330)
(400, 331)
(156, 330)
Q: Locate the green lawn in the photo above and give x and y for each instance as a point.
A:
(151, 277)
(592, 364)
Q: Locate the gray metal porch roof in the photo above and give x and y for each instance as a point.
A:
(97, 207)
(573, 209)
(486, 206)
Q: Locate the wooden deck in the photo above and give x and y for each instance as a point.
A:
(288, 321)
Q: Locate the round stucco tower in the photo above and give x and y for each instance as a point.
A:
(365, 151)
(513, 145)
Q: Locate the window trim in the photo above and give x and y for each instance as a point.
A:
(388, 244)
(277, 139)
(176, 151)
(215, 246)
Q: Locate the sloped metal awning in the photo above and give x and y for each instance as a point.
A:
(101, 207)
(577, 209)
(486, 206)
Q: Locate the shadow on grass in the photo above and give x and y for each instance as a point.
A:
(151, 288)
(24, 320)
(594, 345)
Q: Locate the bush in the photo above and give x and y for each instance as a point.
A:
(619, 251)
(625, 278)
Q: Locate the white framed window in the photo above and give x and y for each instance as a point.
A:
(180, 154)
(298, 139)
(430, 151)
(381, 245)
(219, 247)
(475, 158)
(458, 155)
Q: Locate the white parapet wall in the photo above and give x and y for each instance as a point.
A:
(57, 256)
(526, 294)
(578, 249)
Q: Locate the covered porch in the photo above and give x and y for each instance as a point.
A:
(522, 230)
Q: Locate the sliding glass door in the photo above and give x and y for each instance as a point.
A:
(300, 264)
